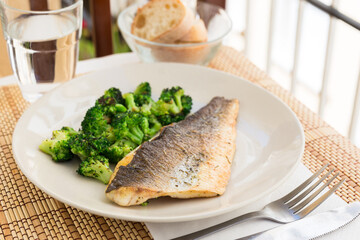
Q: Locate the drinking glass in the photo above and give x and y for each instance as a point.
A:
(42, 41)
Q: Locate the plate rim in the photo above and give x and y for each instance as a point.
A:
(128, 217)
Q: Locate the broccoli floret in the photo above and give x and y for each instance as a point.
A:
(171, 96)
(142, 98)
(58, 146)
(152, 128)
(119, 150)
(96, 167)
(172, 106)
(128, 125)
(85, 146)
(166, 119)
(171, 118)
(130, 102)
(111, 110)
(143, 88)
(146, 109)
(186, 102)
(95, 123)
(111, 102)
(142, 94)
(111, 97)
(161, 107)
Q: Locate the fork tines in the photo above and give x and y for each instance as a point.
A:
(299, 198)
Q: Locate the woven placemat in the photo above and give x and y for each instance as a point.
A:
(28, 213)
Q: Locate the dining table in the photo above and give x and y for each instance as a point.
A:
(26, 212)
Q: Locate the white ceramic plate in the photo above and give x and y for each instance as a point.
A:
(270, 140)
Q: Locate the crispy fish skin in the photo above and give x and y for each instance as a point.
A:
(188, 159)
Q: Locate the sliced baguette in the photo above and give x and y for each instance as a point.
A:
(196, 34)
(162, 21)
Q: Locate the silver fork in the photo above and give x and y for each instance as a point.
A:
(291, 207)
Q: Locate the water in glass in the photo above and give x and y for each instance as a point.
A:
(41, 56)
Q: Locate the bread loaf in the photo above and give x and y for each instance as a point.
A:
(163, 21)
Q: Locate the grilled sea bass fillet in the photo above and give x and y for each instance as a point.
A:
(188, 159)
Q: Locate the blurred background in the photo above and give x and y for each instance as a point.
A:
(314, 55)
(311, 48)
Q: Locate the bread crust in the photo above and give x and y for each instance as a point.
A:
(177, 31)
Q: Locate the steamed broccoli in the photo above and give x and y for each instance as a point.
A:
(111, 102)
(129, 125)
(85, 146)
(115, 126)
(95, 123)
(58, 146)
(119, 150)
(130, 102)
(142, 97)
(96, 167)
(153, 127)
(172, 106)
(176, 95)
(142, 94)
(110, 97)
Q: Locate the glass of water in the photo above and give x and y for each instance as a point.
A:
(42, 39)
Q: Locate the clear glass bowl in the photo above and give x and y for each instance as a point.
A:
(216, 20)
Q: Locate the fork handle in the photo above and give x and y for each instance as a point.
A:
(222, 226)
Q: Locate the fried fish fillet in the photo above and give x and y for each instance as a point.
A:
(188, 159)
